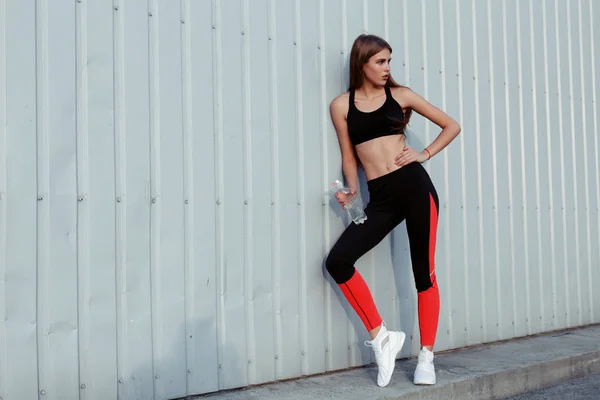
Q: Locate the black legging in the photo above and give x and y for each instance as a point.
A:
(406, 193)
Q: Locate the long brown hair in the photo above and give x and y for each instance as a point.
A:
(364, 47)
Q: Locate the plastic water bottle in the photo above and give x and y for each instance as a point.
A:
(354, 204)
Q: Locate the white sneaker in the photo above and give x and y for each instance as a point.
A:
(386, 346)
(425, 372)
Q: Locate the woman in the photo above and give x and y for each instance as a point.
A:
(370, 121)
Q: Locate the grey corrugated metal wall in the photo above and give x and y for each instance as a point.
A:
(163, 169)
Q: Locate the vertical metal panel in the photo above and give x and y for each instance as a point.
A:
(164, 215)
(203, 312)
(96, 202)
(20, 198)
(3, 165)
(594, 14)
(136, 377)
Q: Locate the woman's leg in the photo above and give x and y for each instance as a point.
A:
(354, 242)
(421, 226)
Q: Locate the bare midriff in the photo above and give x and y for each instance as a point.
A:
(377, 155)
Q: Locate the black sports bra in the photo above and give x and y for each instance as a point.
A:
(365, 126)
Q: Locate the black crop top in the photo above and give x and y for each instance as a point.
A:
(365, 126)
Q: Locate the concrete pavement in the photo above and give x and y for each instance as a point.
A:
(493, 371)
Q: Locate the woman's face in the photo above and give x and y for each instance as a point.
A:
(377, 69)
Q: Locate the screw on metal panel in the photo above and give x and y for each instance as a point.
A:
(42, 392)
(326, 350)
(243, 33)
(218, 201)
(120, 380)
(80, 198)
(277, 357)
(189, 371)
(116, 8)
(154, 199)
(304, 353)
(118, 199)
(157, 376)
(294, 43)
(214, 27)
(220, 366)
(298, 202)
(249, 361)
(150, 14)
(183, 21)
(269, 37)
(187, 202)
(40, 198)
(83, 385)
(349, 347)
(245, 201)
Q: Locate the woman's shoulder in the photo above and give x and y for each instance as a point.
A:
(340, 103)
(400, 91)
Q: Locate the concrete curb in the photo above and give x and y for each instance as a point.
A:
(511, 382)
(490, 371)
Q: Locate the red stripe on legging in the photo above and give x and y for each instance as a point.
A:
(433, 222)
(357, 307)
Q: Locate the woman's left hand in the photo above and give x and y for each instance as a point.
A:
(409, 155)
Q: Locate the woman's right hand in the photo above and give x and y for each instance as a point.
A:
(342, 197)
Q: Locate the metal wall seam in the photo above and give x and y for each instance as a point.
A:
(425, 68)
(597, 132)
(464, 205)
(446, 198)
(121, 209)
(3, 220)
(584, 132)
(300, 188)
(219, 228)
(43, 178)
(509, 165)
(248, 243)
(574, 161)
(386, 20)
(483, 324)
(494, 166)
(274, 189)
(83, 217)
(537, 171)
(155, 190)
(523, 172)
(550, 173)
(562, 163)
(188, 189)
(324, 131)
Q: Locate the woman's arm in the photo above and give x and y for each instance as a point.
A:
(338, 110)
(450, 128)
